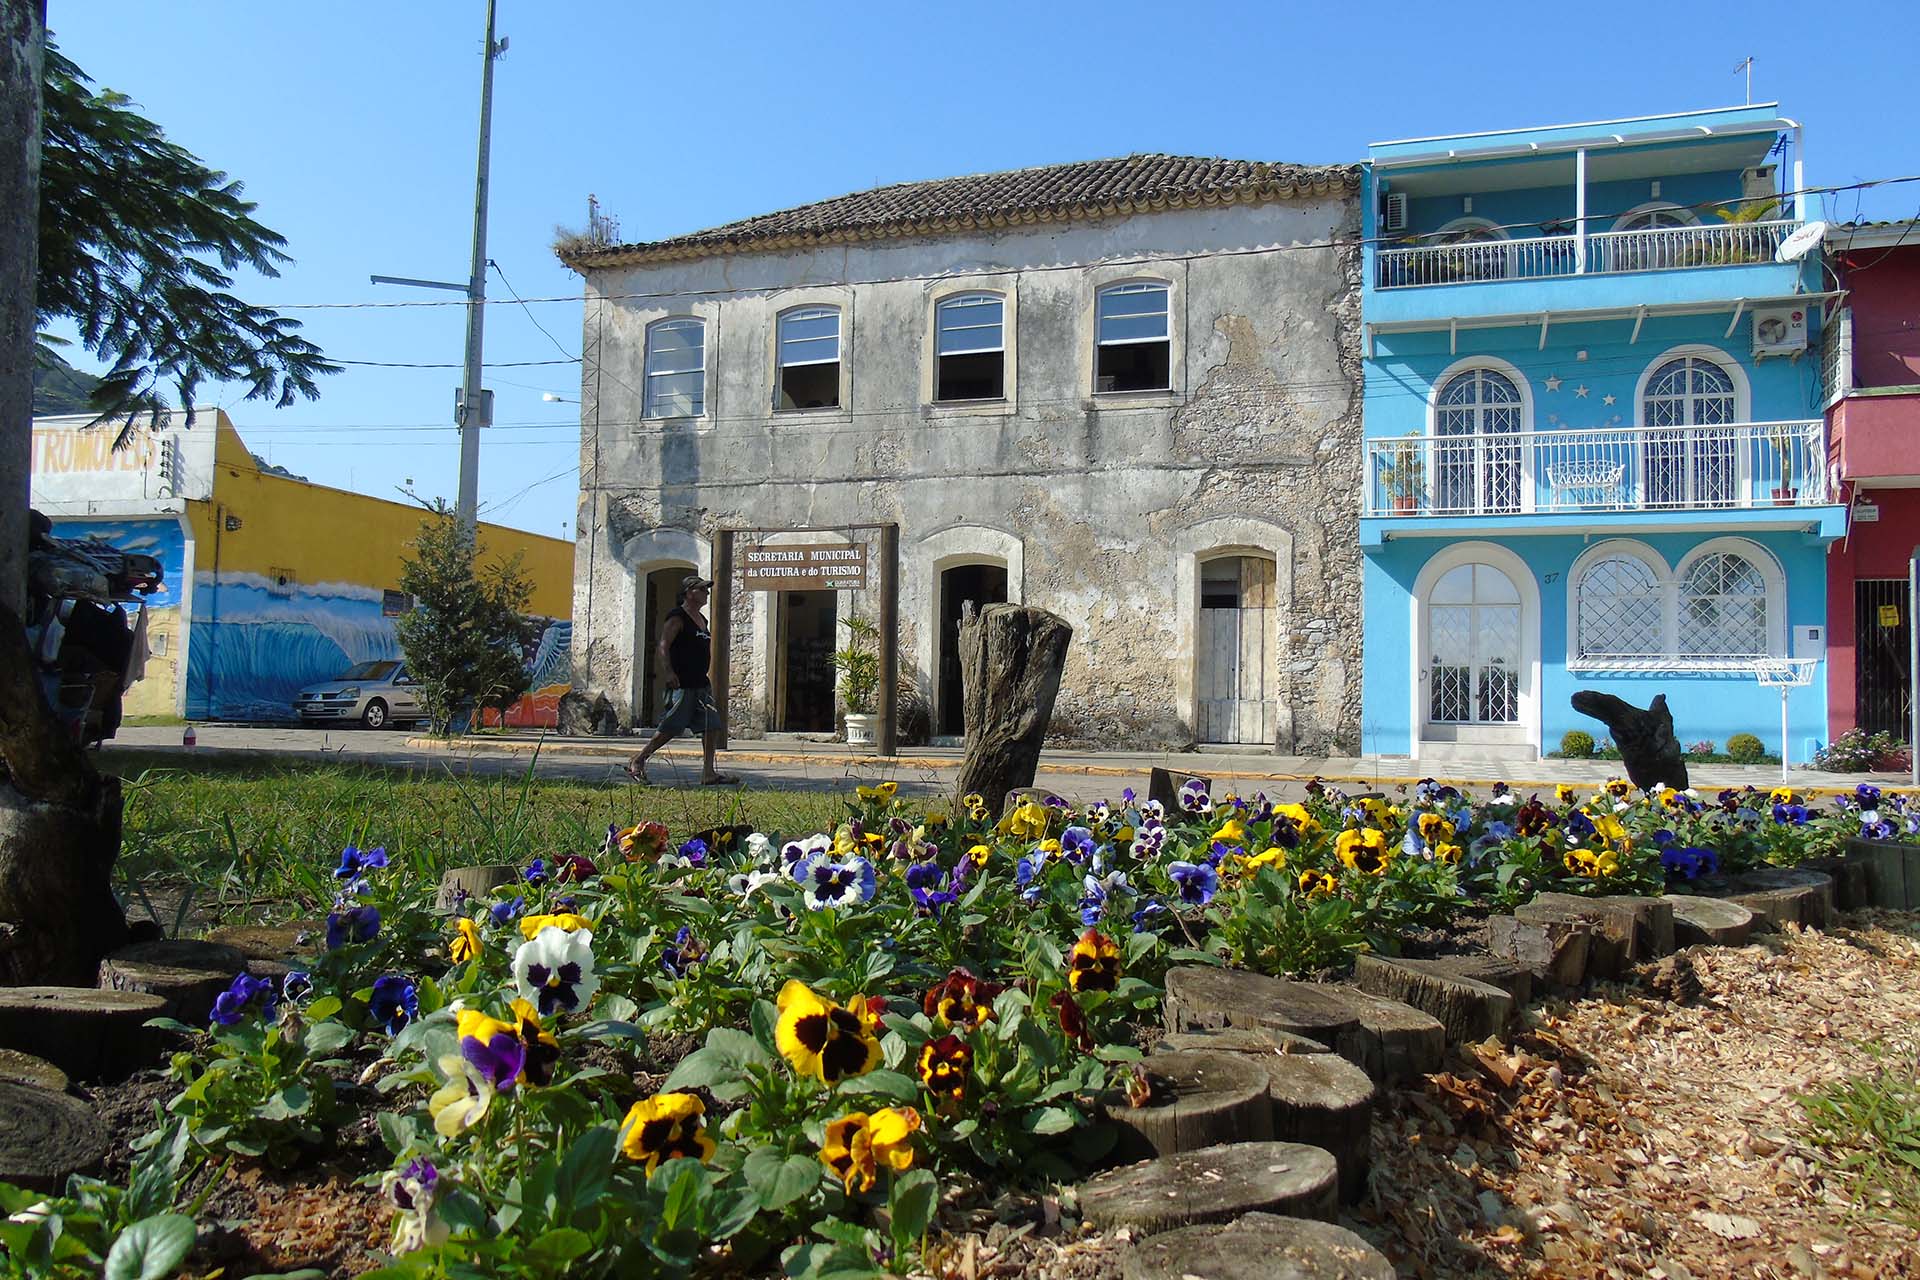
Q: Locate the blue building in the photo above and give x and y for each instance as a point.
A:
(1595, 455)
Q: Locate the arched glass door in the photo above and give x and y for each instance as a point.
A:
(1477, 422)
(1473, 648)
(1684, 465)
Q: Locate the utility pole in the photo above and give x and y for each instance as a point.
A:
(473, 404)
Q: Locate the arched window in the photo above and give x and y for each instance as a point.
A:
(1652, 217)
(807, 348)
(1659, 244)
(676, 368)
(1723, 607)
(1684, 464)
(1477, 421)
(1478, 250)
(1473, 637)
(970, 347)
(1622, 608)
(1133, 348)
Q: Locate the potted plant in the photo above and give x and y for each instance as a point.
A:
(1403, 475)
(1784, 441)
(859, 668)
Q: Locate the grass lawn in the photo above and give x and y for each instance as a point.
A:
(259, 835)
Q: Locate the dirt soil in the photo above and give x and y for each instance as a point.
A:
(1639, 1130)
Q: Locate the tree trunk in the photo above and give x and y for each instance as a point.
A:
(23, 42)
(1011, 657)
(1212, 1184)
(59, 835)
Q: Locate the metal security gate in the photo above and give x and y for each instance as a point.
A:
(1883, 689)
(1236, 625)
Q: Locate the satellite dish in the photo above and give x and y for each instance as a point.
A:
(1800, 243)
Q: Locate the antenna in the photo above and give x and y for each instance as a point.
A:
(1746, 65)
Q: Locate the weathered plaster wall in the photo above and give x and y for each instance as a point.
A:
(1100, 505)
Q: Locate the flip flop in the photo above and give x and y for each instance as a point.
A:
(720, 780)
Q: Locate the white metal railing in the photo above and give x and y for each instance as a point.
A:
(1735, 465)
(1608, 253)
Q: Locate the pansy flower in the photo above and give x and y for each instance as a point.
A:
(353, 861)
(667, 1126)
(1532, 819)
(466, 941)
(566, 921)
(1434, 828)
(1193, 796)
(573, 868)
(858, 1145)
(542, 1050)
(1143, 914)
(536, 872)
(555, 970)
(1072, 1020)
(691, 853)
(1688, 862)
(961, 1000)
(1093, 904)
(821, 1039)
(355, 924)
(683, 954)
(945, 1065)
(245, 993)
(641, 840)
(1195, 882)
(412, 1192)
(1789, 814)
(1315, 884)
(932, 888)
(463, 1101)
(297, 985)
(1564, 793)
(1094, 963)
(747, 883)
(1594, 864)
(879, 793)
(1026, 821)
(492, 1048)
(1447, 854)
(835, 882)
(504, 912)
(1365, 850)
(394, 1002)
(1076, 843)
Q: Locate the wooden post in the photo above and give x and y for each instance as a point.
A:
(720, 665)
(887, 736)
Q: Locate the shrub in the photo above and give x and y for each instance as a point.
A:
(1746, 748)
(1857, 751)
(1576, 744)
(1704, 747)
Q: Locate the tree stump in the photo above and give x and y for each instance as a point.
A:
(1648, 747)
(1211, 1098)
(269, 952)
(1325, 1101)
(1626, 930)
(46, 1136)
(1011, 657)
(475, 882)
(1164, 786)
(1851, 879)
(188, 975)
(1552, 945)
(1396, 1042)
(1203, 998)
(1891, 872)
(1214, 1184)
(88, 1033)
(1260, 1246)
(1240, 1040)
(1779, 895)
(35, 1073)
(1709, 922)
(1469, 1010)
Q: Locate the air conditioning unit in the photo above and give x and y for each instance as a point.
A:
(1393, 212)
(1779, 331)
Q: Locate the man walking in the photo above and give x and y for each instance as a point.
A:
(686, 651)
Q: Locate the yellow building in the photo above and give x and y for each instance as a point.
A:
(290, 582)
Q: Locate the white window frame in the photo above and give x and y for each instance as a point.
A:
(1135, 284)
(1673, 586)
(1688, 218)
(1449, 375)
(970, 297)
(1773, 595)
(1602, 553)
(1501, 259)
(1742, 412)
(808, 311)
(649, 373)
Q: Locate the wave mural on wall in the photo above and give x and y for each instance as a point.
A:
(160, 539)
(255, 644)
(552, 666)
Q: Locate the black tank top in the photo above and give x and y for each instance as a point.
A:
(690, 652)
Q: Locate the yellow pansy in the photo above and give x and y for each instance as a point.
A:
(566, 921)
(466, 941)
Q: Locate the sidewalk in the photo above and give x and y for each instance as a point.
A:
(1221, 765)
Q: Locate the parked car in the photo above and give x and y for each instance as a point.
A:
(374, 693)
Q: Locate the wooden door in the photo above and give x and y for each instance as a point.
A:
(1235, 651)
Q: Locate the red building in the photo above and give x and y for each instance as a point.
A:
(1872, 368)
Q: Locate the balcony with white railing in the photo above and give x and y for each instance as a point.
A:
(1724, 244)
(1742, 468)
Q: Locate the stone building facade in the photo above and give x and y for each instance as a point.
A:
(1126, 391)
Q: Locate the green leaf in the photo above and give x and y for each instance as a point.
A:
(778, 1181)
(765, 1018)
(584, 1171)
(702, 1068)
(323, 1008)
(397, 1131)
(562, 1244)
(881, 1084)
(326, 1037)
(151, 1248)
(294, 1100)
(740, 1048)
(914, 1195)
(1049, 1120)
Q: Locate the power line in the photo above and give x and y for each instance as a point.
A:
(449, 364)
(573, 359)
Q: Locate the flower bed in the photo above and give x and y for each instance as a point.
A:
(895, 1020)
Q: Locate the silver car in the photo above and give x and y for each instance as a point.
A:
(374, 693)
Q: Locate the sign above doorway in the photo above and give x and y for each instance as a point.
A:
(828, 567)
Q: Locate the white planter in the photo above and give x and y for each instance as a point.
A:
(859, 729)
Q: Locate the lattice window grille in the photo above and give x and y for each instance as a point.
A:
(1723, 608)
(1621, 608)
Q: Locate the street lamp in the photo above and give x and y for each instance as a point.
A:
(554, 399)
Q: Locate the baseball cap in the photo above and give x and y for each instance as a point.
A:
(693, 582)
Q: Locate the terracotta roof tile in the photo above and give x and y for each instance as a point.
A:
(1047, 193)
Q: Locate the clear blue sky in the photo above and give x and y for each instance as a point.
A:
(353, 124)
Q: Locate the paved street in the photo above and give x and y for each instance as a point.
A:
(792, 762)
